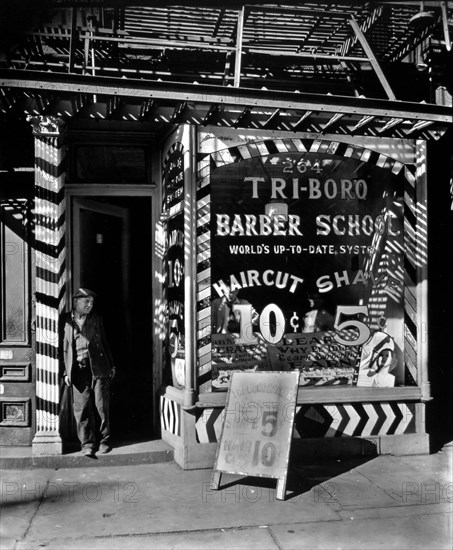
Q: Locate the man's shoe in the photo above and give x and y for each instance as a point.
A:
(104, 448)
(88, 452)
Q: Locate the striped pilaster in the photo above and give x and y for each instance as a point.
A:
(50, 277)
(421, 262)
(410, 279)
(203, 297)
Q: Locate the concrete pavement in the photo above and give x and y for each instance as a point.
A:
(367, 502)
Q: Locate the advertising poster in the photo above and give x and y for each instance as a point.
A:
(174, 261)
(307, 265)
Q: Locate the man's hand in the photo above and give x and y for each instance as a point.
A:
(66, 380)
(112, 373)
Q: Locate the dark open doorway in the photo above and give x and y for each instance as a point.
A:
(112, 255)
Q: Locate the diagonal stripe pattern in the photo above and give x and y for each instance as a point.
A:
(50, 270)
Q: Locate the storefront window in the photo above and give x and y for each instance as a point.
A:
(308, 269)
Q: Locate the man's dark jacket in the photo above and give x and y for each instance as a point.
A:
(98, 349)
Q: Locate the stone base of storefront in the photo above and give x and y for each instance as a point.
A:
(47, 444)
(194, 434)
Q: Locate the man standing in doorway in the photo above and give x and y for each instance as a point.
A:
(87, 365)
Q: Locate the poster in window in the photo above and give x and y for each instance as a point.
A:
(174, 262)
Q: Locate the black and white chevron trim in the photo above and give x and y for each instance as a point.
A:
(170, 415)
(334, 420)
(355, 419)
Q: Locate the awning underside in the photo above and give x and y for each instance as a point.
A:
(364, 68)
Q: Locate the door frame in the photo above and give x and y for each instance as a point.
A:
(89, 190)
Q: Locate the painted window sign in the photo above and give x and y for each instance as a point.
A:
(307, 269)
(174, 260)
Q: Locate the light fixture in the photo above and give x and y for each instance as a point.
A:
(276, 208)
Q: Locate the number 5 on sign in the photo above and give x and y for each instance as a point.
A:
(363, 329)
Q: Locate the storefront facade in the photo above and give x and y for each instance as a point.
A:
(293, 237)
(346, 232)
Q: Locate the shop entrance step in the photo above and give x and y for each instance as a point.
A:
(122, 454)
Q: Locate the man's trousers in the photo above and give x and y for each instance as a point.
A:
(89, 397)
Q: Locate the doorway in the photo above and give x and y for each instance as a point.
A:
(111, 244)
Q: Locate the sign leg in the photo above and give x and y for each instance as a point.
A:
(215, 480)
(281, 488)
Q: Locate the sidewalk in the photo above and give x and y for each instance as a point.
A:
(368, 502)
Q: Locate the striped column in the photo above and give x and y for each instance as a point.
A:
(50, 277)
(421, 255)
(203, 297)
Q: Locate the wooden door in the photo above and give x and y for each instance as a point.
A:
(17, 336)
(111, 255)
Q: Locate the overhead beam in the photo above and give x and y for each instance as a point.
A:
(336, 117)
(221, 95)
(72, 40)
(272, 119)
(419, 126)
(113, 105)
(7, 99)
(443, 6)
(364, 121)
(244, 118)
(79, 101)
(374, 62)
(392, 123)
(302, 121)
(213, 115)
(305, 55)
(179, 112)
(218, 23)
(239, 36)
(366, 26)
(146, 108)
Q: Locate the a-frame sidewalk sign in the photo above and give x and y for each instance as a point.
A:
(257, 427)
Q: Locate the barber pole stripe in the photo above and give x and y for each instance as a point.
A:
(410, 275)
(50, 264)
(170, 415)
(209, 425)
(203, 295)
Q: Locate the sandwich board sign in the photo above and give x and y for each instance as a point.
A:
(257, 427)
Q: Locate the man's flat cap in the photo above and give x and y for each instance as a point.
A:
(84, 292)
